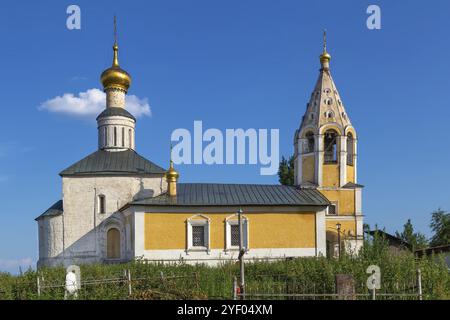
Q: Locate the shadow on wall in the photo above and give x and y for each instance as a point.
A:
(143, 193)
(93, 246)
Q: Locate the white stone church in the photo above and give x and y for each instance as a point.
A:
(117, 205)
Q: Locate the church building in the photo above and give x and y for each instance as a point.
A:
(117, 206)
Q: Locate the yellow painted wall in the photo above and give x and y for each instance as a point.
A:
(266, 230)
(345, 199)
(350, 174)
(330, 175)
(346, 226)
(308, 166)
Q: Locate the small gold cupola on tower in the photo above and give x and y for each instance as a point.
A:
(325, 57)
(115, 77)
(172, 176)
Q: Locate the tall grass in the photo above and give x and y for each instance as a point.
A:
(184, 281)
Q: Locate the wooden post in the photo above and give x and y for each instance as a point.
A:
(129, 282)
(419, 283)
(38, 287)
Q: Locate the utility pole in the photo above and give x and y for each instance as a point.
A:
(241, 254)
(338, 226)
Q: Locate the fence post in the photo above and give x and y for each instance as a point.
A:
(419, 283)
(129, 282)
(38, 287)
(234, 288)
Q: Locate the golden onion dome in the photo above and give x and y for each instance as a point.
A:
(115, 77)
(172, 174)
(325, 56)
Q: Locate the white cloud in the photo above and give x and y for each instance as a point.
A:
(90, 103)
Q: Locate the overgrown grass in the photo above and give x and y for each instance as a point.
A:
(183, 281)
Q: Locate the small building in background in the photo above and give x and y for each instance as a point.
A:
(396, 245)
(438, 251)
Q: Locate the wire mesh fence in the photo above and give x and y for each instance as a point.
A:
(288, 287)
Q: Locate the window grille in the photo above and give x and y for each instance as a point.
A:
(234, 235)
(198, 236)
(332, 209)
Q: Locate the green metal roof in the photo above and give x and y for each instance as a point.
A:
(109, 112)
(55, 210)
(208, 194)
(113, 162)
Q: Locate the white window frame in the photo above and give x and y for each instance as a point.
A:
(233, 220)
(336, 205)
(198, 220)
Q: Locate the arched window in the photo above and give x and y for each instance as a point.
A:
(350, 149)
(101, 204)
(123, 137)
(310, 142)
(115, 136)
(330, 146)
(113, 244)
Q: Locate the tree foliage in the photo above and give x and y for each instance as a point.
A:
(440, 224)
(416, 239)
(286, 171)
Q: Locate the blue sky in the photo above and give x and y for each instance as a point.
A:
(231, 64)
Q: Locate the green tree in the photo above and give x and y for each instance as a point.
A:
(286, 171)
(440, 224)
(416, 239)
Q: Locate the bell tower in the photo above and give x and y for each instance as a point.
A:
(326, 154)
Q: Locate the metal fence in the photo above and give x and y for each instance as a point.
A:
(159, 286)
(285, 287)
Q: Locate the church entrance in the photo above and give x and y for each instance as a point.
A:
(113, 244)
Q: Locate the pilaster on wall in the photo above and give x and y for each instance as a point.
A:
(321, 242)
(319, 158)
(139, 234)
(342, 160)
(298, 161)
(355, 158)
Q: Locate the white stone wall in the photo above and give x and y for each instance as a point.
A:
(124, 133)
(115, 98)
(50, 232)
(82, 229)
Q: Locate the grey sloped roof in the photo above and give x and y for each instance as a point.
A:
(55, 210)
(351, 185)
(108, 112)
(208, 194)
(113, 162)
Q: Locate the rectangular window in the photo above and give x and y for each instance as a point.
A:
(101, 204)
(234, 229)
(198, 236)
(232, 240)
(332, 209)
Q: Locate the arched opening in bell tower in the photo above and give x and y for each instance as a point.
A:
(330, 146)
